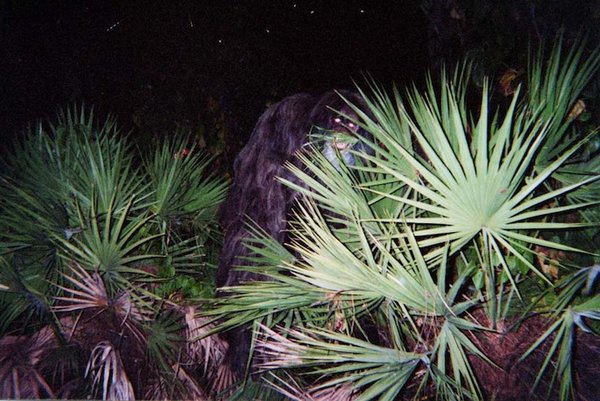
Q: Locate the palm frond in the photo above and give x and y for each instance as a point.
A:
(554, 84)
(177, 176)
(112, 243)
(20, 358)
(379, 372)
(206, 351)
(188, 388)
(109, 378)
(293, 391)
(572, 310)
(437, 224)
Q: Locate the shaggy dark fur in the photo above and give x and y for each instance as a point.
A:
(256, 196)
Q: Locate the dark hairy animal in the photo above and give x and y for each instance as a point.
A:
(256, 196)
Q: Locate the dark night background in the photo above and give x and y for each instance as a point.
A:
(157, 64)
(210, 68)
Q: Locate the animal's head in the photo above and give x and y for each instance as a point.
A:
(336, 130)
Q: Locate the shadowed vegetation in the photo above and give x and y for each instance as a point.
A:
(99, 247)
(446, 265)
(458, 261)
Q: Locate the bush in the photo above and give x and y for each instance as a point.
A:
(100, 246)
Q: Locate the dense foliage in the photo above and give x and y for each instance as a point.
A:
(98, 248)
(458, 261)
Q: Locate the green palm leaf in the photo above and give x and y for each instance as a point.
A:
(554, 85)
(178, 178)
(379, 372)
(480, 187)
(113, 243)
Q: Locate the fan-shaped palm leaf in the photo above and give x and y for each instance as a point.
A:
(112, 243)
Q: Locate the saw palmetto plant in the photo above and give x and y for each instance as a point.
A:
(99, 246)
(444, 266)
(456, 260)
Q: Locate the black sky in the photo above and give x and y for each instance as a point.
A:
(119, 54)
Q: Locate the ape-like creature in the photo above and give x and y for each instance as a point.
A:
(255, 194)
